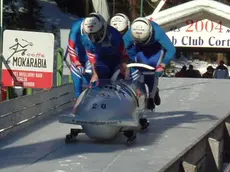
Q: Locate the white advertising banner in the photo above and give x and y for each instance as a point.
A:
(201, 33)
(28, 59)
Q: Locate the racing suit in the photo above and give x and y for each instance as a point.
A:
(78, 56)
(107, 55)
(157, 51)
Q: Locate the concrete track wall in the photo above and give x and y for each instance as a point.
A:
(19, 112)
(208, 154)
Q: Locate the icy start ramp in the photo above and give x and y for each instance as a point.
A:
(189, 108)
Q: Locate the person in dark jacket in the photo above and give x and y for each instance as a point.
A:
(191, 73)
(208, 73)
(182, 72)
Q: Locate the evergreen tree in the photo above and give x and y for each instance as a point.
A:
(26, 16)
(75, 7)
(10, 15)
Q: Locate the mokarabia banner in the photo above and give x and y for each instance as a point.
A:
(28, 59)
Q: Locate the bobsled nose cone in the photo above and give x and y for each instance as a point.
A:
(73, 119)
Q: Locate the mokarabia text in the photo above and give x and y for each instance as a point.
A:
(29, 62)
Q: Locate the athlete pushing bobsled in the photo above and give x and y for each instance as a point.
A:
(122, 23)
(146, 42)
(78, 58)
(104, 47)
(96, 45)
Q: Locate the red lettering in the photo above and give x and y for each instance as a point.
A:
(207, 26)
(219, 27)
(200, 26)
(35, 55)
(189, 22)
(39, 54)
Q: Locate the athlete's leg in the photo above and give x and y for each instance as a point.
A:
(157, 99)
(78, 79)
(77, 82)
(154, 61)
(134, 74)
(148, 79)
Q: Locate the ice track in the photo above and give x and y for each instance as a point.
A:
(189, 108)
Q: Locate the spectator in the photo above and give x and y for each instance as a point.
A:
(209, 73)
(221, 71)
(198, 75)
(182, 72)
(191, 73)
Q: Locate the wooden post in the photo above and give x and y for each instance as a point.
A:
(86, 7)
(219, 57)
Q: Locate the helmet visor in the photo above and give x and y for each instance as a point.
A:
(138, 40)
(98, 36)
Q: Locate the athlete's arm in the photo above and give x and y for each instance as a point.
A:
(92, 59)
(165, 42)
(74, 39)
(124, 58)
(124, 54)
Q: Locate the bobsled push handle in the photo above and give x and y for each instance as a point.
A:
(140, 65)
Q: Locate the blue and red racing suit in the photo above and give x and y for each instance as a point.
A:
(78, 56)
(106, 55)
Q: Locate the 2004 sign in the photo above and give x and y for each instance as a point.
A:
(207, 25)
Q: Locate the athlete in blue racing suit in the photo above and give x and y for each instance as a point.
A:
(78, 58)
(104, 47)
(95, 51)
(146, 42)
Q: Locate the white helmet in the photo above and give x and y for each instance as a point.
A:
(120, 22)
(141, 30)
(95, 27)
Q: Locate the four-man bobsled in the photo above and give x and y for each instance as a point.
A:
(112, 107)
